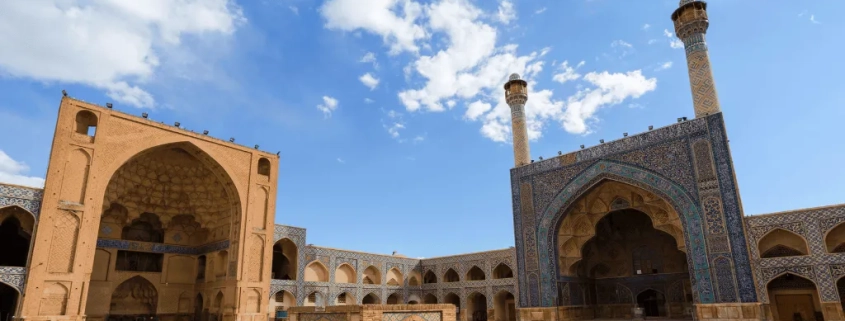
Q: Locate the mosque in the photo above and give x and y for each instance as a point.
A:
(139, 220)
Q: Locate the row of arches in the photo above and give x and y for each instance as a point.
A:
(475, 304)
(501, 271)
(781, 242)
(316, 271)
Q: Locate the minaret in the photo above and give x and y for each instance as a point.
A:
(691, 24)
(516, 94)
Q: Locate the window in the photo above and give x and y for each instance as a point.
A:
(86, 123)
(645, 261)
(312, 298)
(264, 167)
(341, 298)
(138, 261)
(280, 297)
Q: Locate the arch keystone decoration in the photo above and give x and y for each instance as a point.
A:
(551, 217)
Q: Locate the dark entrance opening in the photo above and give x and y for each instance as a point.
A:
(652, 302)
(8, 302)
(15, 243)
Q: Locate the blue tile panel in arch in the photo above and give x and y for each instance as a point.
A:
(25, 197)
(663, 161)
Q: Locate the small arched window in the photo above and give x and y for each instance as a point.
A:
(86, 123)
(264, 167)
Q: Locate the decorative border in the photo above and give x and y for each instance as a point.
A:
(162, 248)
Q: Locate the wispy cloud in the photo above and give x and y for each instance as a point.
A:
(294, 9)
(674, 42)
(646, 26)
(664, 66)
(340, 160)
(541, 10)
(369, 80)
(328, 106)
(810, 16)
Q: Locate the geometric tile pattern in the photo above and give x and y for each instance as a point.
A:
(161, 247)
(26, 197)
(332, 258)
(704, 97)
(13, 276)
(661, 161)
(823, 268)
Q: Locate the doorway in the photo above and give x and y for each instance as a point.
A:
(652, 302)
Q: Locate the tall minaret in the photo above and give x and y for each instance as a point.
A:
(691, 24)
(516, 94)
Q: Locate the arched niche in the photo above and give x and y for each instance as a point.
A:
(394, 299)
(477, 306)
(316, 272)
(504, 306)
(314, 299)
(371, 298)
(371, 275)
(475, 274)
(16, 226)
(502, 271)
(454, 299)
(344, 299)
(430, 299)
(781, 243)
(285, 258)
(344, 274)
(652, 302)
(9, 297)
(135, 296)
(835, 239)
(394, 277)
(451, 276)
(86, 123)
(430, 277)
(264, 167)
(791, 295)
(413, 281)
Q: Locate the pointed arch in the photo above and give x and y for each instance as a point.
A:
(371, 298)
(344, 298)
(429, 277)
(285, 258)
(430, 299)
(675, 196)
(371, 275)
(344, 274)
(452, 298)
(394, 277)
(835, 239)
(133, 297)
(475, 274)
(502, 271)
(316, 272)
(780, 243)
(394, 298)
(451, 276)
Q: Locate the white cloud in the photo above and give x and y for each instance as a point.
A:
(567, 73)
(379, 17)
(369, 80)
(418, 139)
(328, 106)
(541, 10)
(370, 57)
(113, 45)
(652, 41)
(368, 101)
(622, 47)
(664, 66)
(646, 26)
(340, 160)
(813, 19)
(469, 68)
(506, 12)
(476, 109)
(294, 9)
(14, 172)
(674, 42)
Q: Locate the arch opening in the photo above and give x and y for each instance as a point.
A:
(430, 299)
(792, 296)
(475, 274)
(504, 306)
(344, 299)
(15, 236)
(502, 271)
(371, 299)
(451, 276)
(314, 299)
(393, 299)
(652, 302)
(8, 301)
(316, 272)
(782, 243)
(86, 123)
(477, 307)
(134, 297)
(394, 277)
(430, 277)
(835, 239)
(344, 274)
(285, 257)
(281, 302)
(371, 275)
(455, 300)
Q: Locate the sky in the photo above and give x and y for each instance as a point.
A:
(390, 114)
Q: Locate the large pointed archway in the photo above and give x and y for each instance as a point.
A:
(9, 297)
(540, 279)
(172, 196)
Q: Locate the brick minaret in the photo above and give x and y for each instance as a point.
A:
(690, 26)
(516, 94)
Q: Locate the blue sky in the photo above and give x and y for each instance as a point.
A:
(388, 114)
